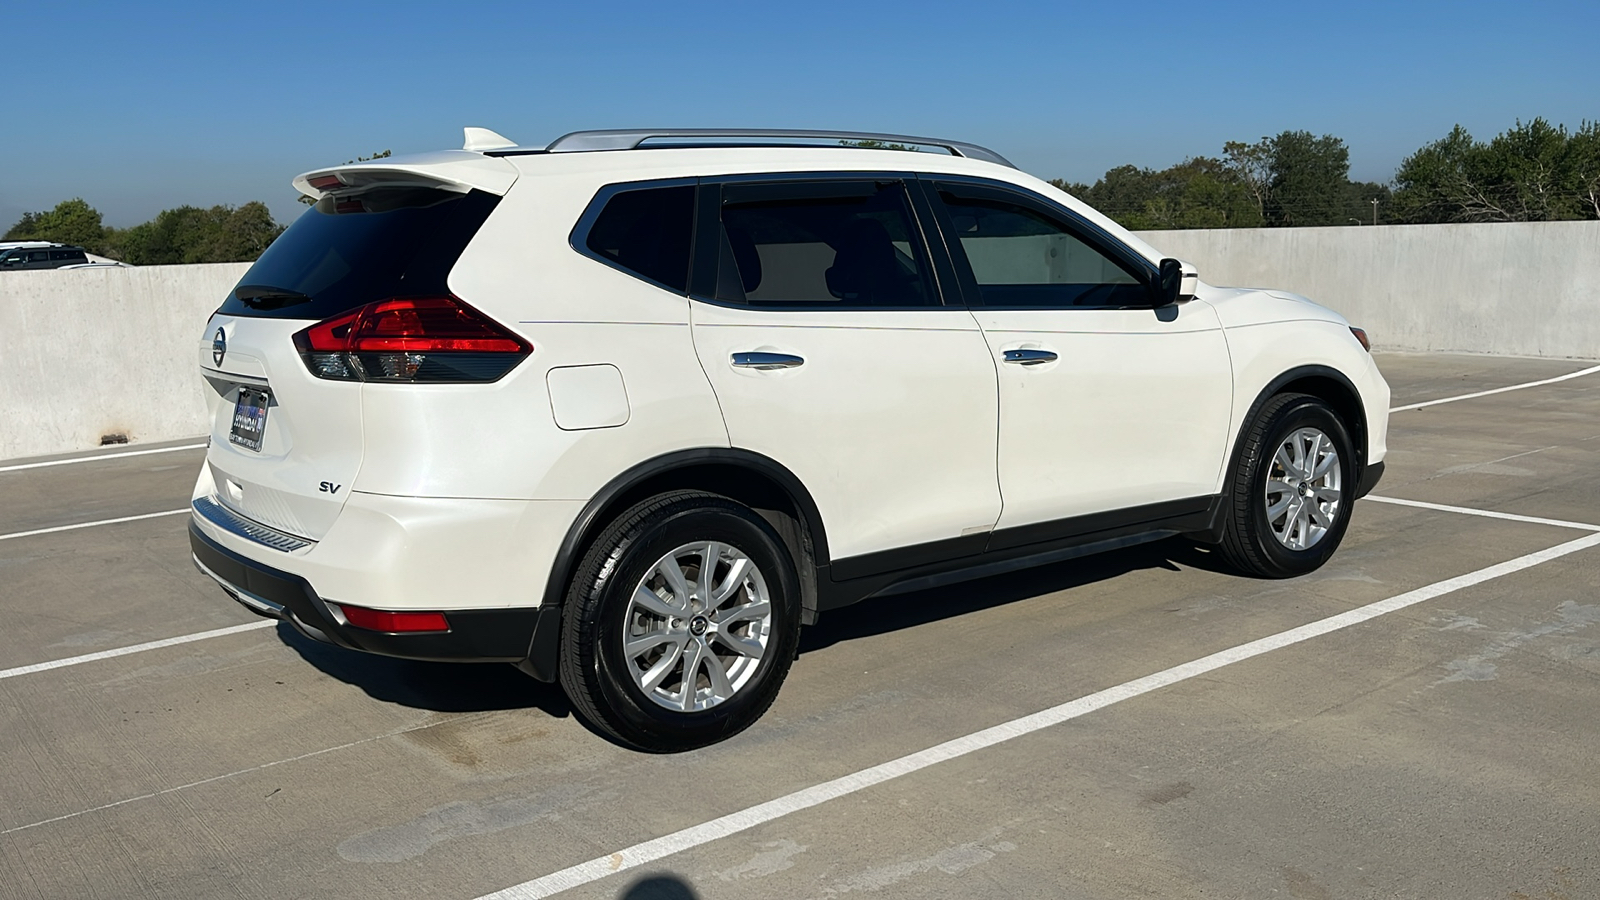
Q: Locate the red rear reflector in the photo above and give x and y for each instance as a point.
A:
(393, 622)
(1361, 335)
(325, 182)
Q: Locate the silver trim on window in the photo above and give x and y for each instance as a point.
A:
(235, 524)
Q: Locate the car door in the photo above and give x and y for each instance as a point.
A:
(1109, 408)
(818, 319)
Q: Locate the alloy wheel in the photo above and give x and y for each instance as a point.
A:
(697, 626)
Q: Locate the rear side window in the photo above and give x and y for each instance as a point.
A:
(349, 251)
(821, 244)
(645, 231)
(71, 256)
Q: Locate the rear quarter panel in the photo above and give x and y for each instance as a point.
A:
(501, 440)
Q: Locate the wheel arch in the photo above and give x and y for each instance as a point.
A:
(757, 481)
(1324, 382)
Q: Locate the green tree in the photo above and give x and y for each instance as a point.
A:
(1531, 172)
(1251, 165)
(71, 222)
(1583, 155)
(1201, 192)
(189, 234)
(1530, 164)
(1310, 179)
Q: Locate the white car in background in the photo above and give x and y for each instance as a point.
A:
(629, 409)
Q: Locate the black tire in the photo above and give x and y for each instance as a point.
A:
(593, 664)
(1248, 541)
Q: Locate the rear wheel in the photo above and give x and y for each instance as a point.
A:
(681, 623)
(1291, 490)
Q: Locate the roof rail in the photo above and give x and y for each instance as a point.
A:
(634, 138)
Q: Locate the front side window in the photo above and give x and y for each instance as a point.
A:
(1023, 255)
(647, 232)
(822, 244)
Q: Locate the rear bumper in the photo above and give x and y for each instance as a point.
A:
(526, 636)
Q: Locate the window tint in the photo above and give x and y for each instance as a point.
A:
(68, 255)
(647, 232)
(1023, 255)
(847, 244)
(349, 251)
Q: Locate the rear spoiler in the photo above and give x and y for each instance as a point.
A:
(451, 170)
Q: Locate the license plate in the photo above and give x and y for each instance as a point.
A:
(250, 418)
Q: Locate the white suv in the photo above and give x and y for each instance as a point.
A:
(629, 409)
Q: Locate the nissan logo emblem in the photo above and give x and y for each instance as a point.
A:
(219, 347)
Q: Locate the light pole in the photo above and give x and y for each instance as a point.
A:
(1374, 210)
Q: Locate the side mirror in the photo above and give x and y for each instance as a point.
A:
(1175, 282)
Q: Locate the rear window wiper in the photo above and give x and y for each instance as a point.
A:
(261, 297)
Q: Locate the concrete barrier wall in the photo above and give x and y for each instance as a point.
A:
(91, 352)
(1519, 289)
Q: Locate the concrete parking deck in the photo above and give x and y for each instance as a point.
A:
(1439, 749)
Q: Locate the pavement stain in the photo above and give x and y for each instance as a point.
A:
(398, 843)
(771, 858)
(1303, 886)
(1480, 666)
(1166, 793)
(465, 741)
(949, 861)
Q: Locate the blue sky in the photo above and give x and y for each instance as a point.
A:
(141, 107)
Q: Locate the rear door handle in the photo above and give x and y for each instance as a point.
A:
(1024, 357)
(755, 360)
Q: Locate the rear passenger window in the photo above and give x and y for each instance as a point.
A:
(836, 245)
(647, 232)
(68, 255)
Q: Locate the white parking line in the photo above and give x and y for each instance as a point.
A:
(1485, 513)
(136, 648)
(99, 456)
(59, 528)
(1515, 387)
(733, 823)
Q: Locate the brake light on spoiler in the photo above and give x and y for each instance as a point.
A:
(437, 340)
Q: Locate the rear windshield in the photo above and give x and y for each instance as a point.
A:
(346, 252)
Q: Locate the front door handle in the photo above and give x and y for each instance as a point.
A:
(1024, 357)
(754, 360)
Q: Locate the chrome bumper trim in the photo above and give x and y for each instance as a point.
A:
(235, 524)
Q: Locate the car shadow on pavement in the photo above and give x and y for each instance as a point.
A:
(659, 887)
(438, 687)
(880, 615)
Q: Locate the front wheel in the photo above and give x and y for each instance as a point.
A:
(681, 623)
(1290, 493)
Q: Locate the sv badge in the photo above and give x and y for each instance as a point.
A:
(329, 487)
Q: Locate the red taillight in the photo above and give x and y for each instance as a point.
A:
(430, 323)
(1361, 335)
(393, 622)
(411, 339)
(325, 182)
